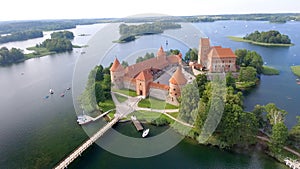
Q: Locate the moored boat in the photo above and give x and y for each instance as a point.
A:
(51, 91)
(145, 133)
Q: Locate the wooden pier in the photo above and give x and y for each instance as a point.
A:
(137, 124)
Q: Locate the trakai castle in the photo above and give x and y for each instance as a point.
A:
(147, 78)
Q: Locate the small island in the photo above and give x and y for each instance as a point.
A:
(296, 70)
(59, 42)
(270, 38)
(130, 32)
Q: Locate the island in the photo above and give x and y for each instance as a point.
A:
(59, 42)
(296, 70)
(270, 38)
(130, 32)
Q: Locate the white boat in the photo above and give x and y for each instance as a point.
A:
(83, 119)
(133, 117)
(145, 133)
(51, 91)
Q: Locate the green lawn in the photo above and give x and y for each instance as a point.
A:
(38, 52)
(175, 115)
(145, 115)
(244, 85)
(107, 105)
(267, 70)
(127, 92)
(239, 39)
(296, 70)
(155, 104)
(151, 117)
(121, 98)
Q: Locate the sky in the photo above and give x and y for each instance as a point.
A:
(73, 9)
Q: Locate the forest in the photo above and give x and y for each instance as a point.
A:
(19, 36)
(11, 56)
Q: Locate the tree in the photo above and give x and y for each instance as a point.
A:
(254, 59)
(201, 80)
(249, 58)
(247, 74)
(191, 55)
(258, 112)
(241, 54)
(278, 137)
(62, 35)
(175, 51)
(189, 103)
(124, 64)
(294, 134)
(274, 114)
(230, 80)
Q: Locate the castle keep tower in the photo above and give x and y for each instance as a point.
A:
(204, 48)
(117, 72)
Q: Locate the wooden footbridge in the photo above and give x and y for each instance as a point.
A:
(77, 152)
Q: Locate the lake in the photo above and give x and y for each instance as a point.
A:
(37, 132)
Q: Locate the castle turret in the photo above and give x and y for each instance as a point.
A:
(176, 82)
(117, 72)
(142, 83)
(161, 55)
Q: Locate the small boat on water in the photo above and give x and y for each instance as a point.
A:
(46, 97)
(51, 91)
(69, 88)
(62, 95)
(145, 133)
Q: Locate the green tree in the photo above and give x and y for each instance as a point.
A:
(201, 80)
(189, 103)
(258, 112)
(274, 114)
(294, 134)
(191, 55)
(247, 74)
(124, 64)
(230, 80)
(278, 137)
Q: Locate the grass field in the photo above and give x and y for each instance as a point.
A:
(38, 52)
(239, 39)
(267, 70)
(155, 104)
(125, 91)
(296, 70)
(121, 98)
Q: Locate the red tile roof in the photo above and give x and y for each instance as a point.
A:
(178, 77)
(116, 67)
(159, 86)
(161, 52)
(219, 52)
(144, 76)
